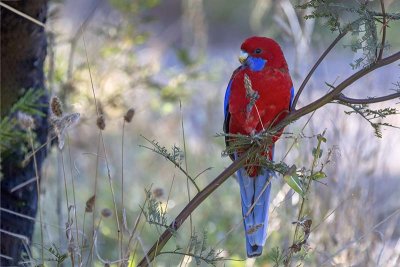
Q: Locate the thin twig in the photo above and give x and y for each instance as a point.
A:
(296, 114)
(122, 183)
(103, 143)
(73, 195)
(186, 169)
(90, 256)
(372, 229)
(77, 36)
(371, 100)
(29, 217)
(22, 237)
(16, 11)
(28, 156)
(135, 228)
(384, 25)
(21, 185)
(320, 59)
(172, 161)
(95, 193)
(38, 195)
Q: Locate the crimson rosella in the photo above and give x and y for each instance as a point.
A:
(264, 69)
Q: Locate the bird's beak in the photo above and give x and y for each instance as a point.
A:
(243, 57)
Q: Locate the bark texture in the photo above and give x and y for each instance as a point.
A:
(23, 51)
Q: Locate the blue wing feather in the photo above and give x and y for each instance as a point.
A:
(291, 97)
(226, 99)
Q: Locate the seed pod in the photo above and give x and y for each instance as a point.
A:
(106, 213)
(129, 115)
(101, 123)
(25, 120)
(90, 204)
(56, 106)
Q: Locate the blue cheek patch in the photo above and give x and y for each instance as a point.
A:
(256, 64)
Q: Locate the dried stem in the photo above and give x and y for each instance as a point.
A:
(186, 169)
(74, 40)
(122, 183)
(38, 195)
(66, 195)
(95, 194)
(103, 143)
(73, 195)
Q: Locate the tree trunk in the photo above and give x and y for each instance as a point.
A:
(23, 51)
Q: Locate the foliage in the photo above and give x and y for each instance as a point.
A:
(8, 135)
(176, 157)
(154, 213)
(58, 256)
(361, 20)
(28, 103)
(373, 116)
(11, 134)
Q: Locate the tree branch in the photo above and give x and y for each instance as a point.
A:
(294, 115)
(371, 100)
(320, 59)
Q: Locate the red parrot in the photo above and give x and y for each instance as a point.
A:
(259, 95)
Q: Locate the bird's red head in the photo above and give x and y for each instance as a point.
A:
(265, 48)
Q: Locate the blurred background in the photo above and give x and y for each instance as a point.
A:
(171, 61)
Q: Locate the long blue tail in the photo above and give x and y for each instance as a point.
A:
(255, 221)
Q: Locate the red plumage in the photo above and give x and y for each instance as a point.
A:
(272, 83)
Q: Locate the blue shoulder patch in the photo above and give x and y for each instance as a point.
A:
(226, 99)
(256, 64)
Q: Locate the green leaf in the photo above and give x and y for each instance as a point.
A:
(184, 56)
(318, 175)
(317, 153)
(28, 103)
(294, 182)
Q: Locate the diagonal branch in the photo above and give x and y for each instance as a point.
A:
(294, 115)
(320, 59)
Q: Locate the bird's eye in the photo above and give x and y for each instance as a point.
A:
(258, 51)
